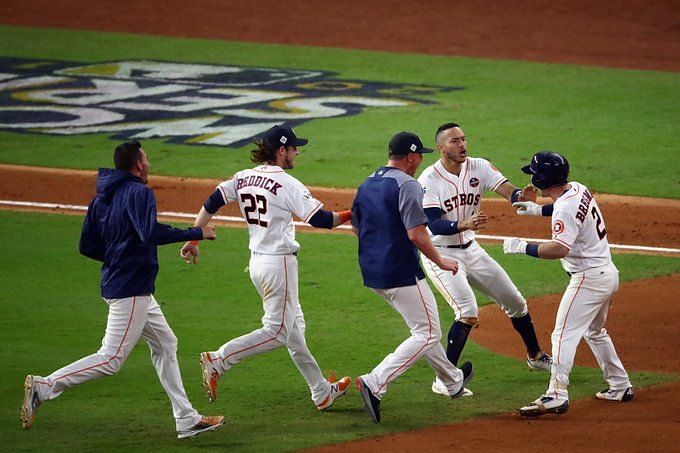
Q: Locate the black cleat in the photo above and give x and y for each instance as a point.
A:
(371, 403)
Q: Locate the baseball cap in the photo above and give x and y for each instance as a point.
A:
(406, 143)
(282, 136)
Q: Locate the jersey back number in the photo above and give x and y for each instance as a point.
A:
(252, 203)
(601, 231)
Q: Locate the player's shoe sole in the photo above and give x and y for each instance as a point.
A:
(31, 403)
(338, 389)
(545, 405)
(210, 377)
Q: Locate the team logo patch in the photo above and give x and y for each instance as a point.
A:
(558, 227)
(187, 103)
(474, 182)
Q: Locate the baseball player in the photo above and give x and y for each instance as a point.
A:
(388, 219)
(580, 240)
(268, 197)
(120, 229)
(453, 192)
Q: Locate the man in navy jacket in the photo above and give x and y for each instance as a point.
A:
(121, 230)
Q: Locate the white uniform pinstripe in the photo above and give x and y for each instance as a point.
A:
(578, 224)
(459, 197)
(268, 197)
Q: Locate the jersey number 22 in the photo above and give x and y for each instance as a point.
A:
(251, 203)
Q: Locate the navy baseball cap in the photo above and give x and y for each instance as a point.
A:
(406, 143)
(282, 136)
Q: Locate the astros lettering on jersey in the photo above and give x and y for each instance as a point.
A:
(458, 196)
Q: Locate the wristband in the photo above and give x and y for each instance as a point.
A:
(194, 243)
(514, 198)
(547, 210)
(532, 250)
(344, 216)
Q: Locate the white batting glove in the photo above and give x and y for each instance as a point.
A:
(514, 246)
(528, 208)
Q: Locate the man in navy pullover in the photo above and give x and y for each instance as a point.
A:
(121, 230)
(388, 219)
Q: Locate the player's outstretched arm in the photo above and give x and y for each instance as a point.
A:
(189, 251)
(329, 219)
(513, 194)
(524, 200)
(547, 250)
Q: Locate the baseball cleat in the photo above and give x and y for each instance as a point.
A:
(338, 389)
(31, 402)
(542, 363)
(210, 377)
(439, 388)
(204, 425)
(608, 394)
(468, 372)
(371, 402)
(545, 405)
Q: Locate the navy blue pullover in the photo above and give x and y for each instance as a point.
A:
(121, 230)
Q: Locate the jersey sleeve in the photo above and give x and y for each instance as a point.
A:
(411, 204)
(565, 228)
(492, 178)
(430, 192)
(228, 189)
(301, 202)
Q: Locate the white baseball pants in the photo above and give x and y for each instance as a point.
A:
(582, 313)
(417, 305)
(476, 268)
(128, 320)
(276, 279)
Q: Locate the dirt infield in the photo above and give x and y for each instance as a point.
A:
(624, 225)
(636, 34)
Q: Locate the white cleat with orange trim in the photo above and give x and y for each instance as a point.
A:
(338, 389)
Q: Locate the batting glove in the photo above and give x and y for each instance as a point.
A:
(528, 208)
(514, 246)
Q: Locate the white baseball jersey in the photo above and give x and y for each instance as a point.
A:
(458, 196)
(577, 224)
(268, 197)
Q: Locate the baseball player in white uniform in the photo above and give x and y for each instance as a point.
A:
(453, 189)
(268, 198)
(580, 240)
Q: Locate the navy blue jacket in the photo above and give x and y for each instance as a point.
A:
(121, 230)
(386, 205)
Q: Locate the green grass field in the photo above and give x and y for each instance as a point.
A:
(52, 315)
(617, 127)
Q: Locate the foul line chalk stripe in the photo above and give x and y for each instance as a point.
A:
(184, 215)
